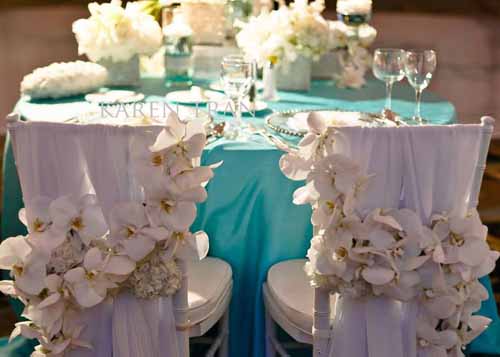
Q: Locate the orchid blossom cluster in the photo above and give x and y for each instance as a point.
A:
(390, 252)
(116, 33)
(282, 35)
(74, 259)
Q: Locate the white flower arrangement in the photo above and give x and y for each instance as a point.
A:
(70, 260)
(116, 33)
(280, 36)
(64, 79)
(390, 252)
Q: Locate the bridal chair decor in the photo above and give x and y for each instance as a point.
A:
(114, 37)
(398, 242)
(105, 266)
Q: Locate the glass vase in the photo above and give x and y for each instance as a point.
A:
(122, 74)
(179, 61)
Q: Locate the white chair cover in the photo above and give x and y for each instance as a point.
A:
(427, 169)
(60, 159)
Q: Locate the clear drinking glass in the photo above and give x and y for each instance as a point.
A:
(388, 66)
(419, 67)
(237, 77)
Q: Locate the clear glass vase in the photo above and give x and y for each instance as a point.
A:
(179, 61)
(122, 74)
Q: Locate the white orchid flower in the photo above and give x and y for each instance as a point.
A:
(89, 284)
(36, 217)
(333, 176)
(439, 296)
(431, 342)
(67, 339)
(463, 239)
(131, 231)
(318, 142)
(181, 139)
(26, 265)
(50, 310)
(82, 216)
(164, 210)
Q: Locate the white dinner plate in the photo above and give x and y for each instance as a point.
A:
(194, 96)
(114, 97)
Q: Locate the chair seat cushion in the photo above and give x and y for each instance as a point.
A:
(291, 290)
(209, 282)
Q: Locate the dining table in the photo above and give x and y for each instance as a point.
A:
(249, 215)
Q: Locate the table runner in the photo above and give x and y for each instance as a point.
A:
(249, 216)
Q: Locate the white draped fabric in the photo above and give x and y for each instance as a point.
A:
(60, 159)
(427, 169)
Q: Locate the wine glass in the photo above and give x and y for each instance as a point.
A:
(388, 66)
(419, 67)
(237, 77)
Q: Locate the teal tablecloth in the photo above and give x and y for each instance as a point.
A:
(249, 215)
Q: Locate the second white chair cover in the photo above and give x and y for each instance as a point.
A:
(426, 169)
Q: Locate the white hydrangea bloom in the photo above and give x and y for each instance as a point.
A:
(64, 79)
(116, 33)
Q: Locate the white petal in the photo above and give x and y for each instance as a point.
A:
(119, 265)
(473, 253)
(316, 123)
(50, 300)
(93, 259)
(75, 275)
(294, 167)
(137, 248)
(12, 251)
(53, 282)
(377, 275)
(86, 296)
(381, 239)
(63, 210)
(94, 224)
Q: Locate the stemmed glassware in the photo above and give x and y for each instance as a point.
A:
(388, 66)
(419, 66)
(237, 76)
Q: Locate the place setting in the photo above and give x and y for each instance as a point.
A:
(213, 162)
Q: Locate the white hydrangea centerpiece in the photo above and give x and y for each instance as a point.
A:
(113, 34)
(64, 79)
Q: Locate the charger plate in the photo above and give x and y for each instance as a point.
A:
(294, 122)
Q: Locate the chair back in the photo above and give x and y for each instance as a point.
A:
(428, 169)
(56, 159)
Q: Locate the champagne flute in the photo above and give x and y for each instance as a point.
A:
(237, 77)
(388, 66)
(419, 68)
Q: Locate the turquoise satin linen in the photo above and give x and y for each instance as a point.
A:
(249, 215)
